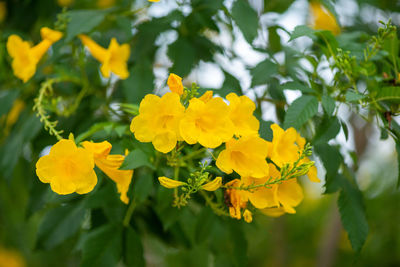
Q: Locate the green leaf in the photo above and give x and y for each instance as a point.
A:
(262, 73)
(274, 39)
(246, 18)
(389, 93)
(300, 31)
(398, 162)
(83, 21)
(102, 247)
(140, 81)
(352, 213)
(7, 98)
(183, 53)
(133, 249)
(265, 130)
(352, 96)
(331, 159)
(144, 184)
(345, 129)
(59, 224)
(230, 85)
(327, 129)
(328, 104)
(296, 86)
(300, 111)
(136, 158)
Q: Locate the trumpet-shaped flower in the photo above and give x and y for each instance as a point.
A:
(207, 123)
(241, 113)
(246, 156)
(285, 148)
(322, 19)
(287, 194)
(158, 121)
(67, 168)
(110, 165)
(175, 84)
(113, 59)
(25, 58)
(207, 96)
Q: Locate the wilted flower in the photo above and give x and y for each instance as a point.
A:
(158, 121)
(25, 58)
(113, 59)
(110, 165)
(67, 168)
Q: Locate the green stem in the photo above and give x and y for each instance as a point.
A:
(128, 214)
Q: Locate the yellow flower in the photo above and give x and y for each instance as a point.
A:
(110, 165)
(207, 96)
(154, 0)
(65, 3)
(285, 148)
(158, 121)
(67, 168)
(246, 156)
(25, 58)
(241, 114)
(236, 199)
(175, 84)
(213, 185)
(11, 258)
(207, 123)
(169, 183)
(3, 11)
(273, 212)
(113, 59)
(105, 3)
(13, 115)
(287, 194)
(322, 19)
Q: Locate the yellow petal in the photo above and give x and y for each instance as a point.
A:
(51, 35)
(96, 50)
(273, 212)
(206, 96)
(213, 185)
(175, 84)
(165, 142)
(169, 183)
(323, 19)
(99, 150)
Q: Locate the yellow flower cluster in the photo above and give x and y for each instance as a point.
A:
(68, 168)
(25, 58)
(207, 120)
(211, 122)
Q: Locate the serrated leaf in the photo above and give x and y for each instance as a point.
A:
(296, 86)
(331, 159)
(300, 31)
(60, 224)
(135, 159)
(83, 21)
(102, 247)
(300, 111)
(352, 213)
(327, 129)
(246, 18)
(328, 104)
(352, 96)
(262, 73)
(389, 93)
(133, 249)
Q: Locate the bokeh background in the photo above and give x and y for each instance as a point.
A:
(201, 41)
